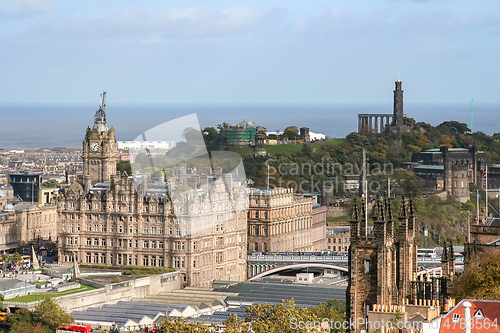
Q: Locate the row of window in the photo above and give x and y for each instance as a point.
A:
(121, 259)
(337, 240)
(111, 207)
(132, 243)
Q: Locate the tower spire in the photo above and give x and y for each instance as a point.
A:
(100, 116)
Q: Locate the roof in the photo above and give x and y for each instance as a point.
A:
(438, 150)
(126, 313)
(492, 222)
(20, 207)
(273, 291)
(429, 167)
(484, 313)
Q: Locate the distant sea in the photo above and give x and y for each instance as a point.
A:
(48, 126)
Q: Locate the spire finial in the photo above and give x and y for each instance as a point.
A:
(100, 115)
(398, 76)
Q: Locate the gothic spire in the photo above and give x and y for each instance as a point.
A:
(355, 211)
(412, 212)
(403, 212)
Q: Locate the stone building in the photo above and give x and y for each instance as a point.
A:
(380, 123)
(9, 235)
(36, 223)
(195, 223)
(338, 238)
(383, 278)
(449, 169)
(281, 221)
(318, 227)
(260, 136)
(484, 241)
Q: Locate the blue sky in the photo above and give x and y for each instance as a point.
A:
(215, 51)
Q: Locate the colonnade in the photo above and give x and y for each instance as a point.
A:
(374, 123)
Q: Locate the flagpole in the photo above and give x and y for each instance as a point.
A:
(468, 227)
(268, 179)
(477, 206)
(486, 199)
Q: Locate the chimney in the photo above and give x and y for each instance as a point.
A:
(467, 306)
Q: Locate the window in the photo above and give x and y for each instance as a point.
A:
(96, 241)
(130, 243)
(103, 242)
(89, 241)
(456, 318)
(145, 244)
(255, 246)
(153, 246)
(160, 244)
(367, 266)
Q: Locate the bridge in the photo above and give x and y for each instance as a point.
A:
(262, 265)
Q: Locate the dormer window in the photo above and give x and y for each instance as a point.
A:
(456, 318)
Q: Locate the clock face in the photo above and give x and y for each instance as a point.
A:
(94, 146)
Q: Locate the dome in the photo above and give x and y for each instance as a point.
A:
(8, 208)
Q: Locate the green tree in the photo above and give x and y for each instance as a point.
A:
(16, 257)
(124, 166)
(291, 132)
(210, 135)
(51, 314)
(22, 321)
(51, 183)
(279, 318)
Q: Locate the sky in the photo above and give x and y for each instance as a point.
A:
(255, 51)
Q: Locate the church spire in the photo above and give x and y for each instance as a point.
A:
(100, 116)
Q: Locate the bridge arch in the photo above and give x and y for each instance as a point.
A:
(297, 266)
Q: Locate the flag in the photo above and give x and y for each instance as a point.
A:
(484, 174)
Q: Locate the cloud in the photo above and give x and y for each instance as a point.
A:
(176, 23)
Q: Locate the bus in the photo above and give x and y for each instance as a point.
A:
(65, 328)
(26, 260)
(428, 254)
(3, 319)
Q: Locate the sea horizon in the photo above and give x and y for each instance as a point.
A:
(56, 125)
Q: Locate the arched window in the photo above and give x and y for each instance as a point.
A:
(264, 247)
(255, 246)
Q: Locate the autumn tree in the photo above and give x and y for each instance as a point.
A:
(291, 132)
(481, 279)
(181, 325)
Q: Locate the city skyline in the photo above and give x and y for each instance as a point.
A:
(219, 52)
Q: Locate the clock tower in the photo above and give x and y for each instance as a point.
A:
(99, 149)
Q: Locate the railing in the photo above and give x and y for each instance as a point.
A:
(330, 259)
